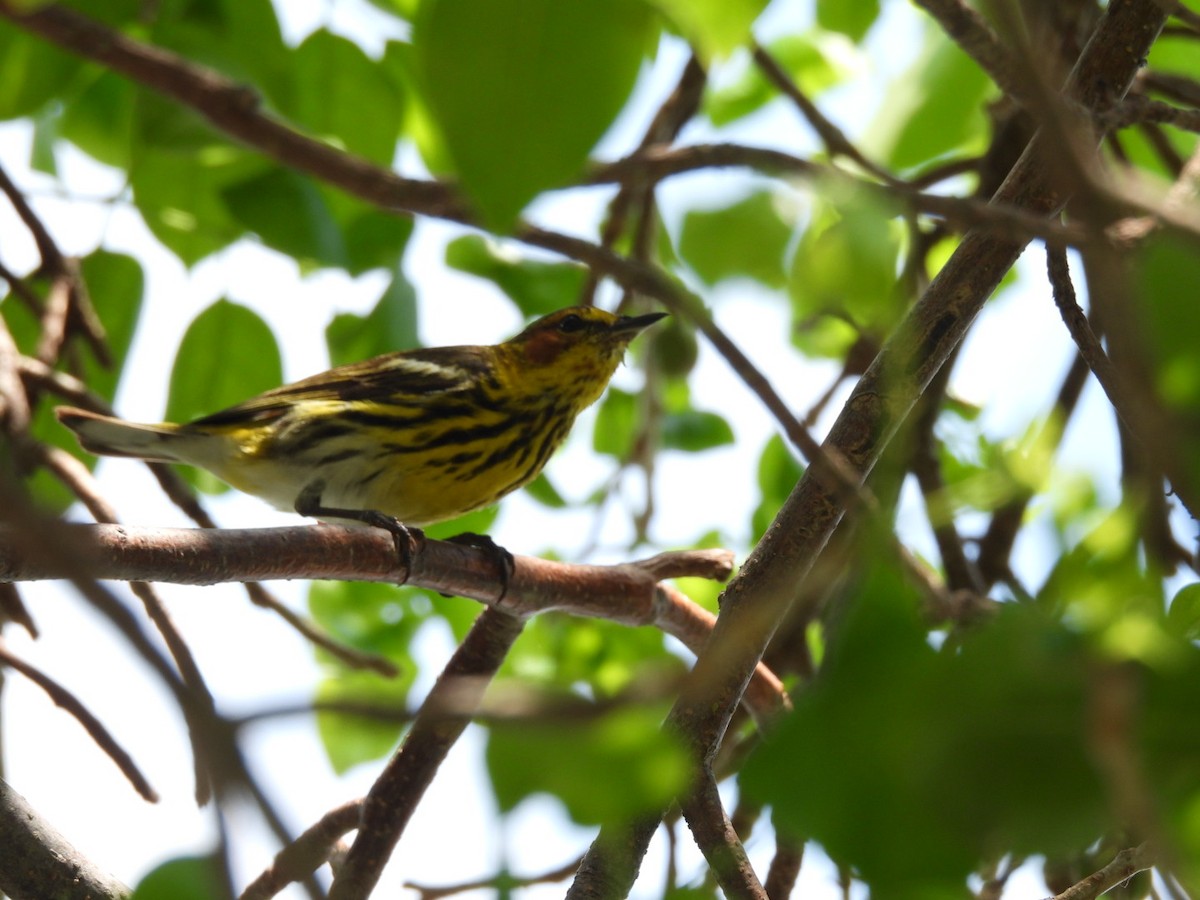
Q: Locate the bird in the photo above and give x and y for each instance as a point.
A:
(402, 440)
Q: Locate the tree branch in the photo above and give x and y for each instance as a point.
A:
(757, 600)
(1124, 865)
(38, 863)
(67, 701)
(395, 794)
(628, 593)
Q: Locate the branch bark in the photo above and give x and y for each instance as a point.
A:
(38, 863)
(629, 593)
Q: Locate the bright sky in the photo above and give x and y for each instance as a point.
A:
(253, 661)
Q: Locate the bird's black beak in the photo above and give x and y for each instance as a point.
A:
(634, 324)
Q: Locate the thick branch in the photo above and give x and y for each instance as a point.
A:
(37, 863)
(758, 598)
(629, 593)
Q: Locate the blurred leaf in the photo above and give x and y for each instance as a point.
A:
(1102, 587)
(941, 760)
(816, 61)
(746, 239)
(289, 214)
(605, 770)
(523, 89)
(1138, 150)
(616, 424)
(477, 522)
(714, 28)
(373, 239)
(42, 156)
(544, 492)
(778, 473)
(32, 72)
(1183, 616)
(567, 651)
(182, 878)
(100, 120)
(695, 430)
(825, 336)
(374, 618)
(227, 355)
(852, 19)
(1167, 276)
(847, 265)
(179, 194)
(116, 286)
(936, 108)
(391, 325)
(342, 95)
(241, 39)
(536, 287)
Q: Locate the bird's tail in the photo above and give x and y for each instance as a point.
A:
(107, 436)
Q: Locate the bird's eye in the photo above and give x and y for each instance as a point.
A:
(570, 323)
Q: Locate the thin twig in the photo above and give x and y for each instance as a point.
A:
(553, 876)
(967, 27)
(835, 140)
(349, 656)
(74, 707)
(314, 847)
(1124, 865)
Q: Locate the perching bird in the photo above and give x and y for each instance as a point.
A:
(415, 437)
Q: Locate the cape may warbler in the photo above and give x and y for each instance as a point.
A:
(416, 437)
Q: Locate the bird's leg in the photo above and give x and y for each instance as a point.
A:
(407, 539)
(503, 558)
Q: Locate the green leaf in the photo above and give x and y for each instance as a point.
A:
(695, 430)
(390, 325)
(288, 212)
(748, 239)
(605, 770)
(544, 492)
(941, 759)
(32, 72)
(1105, 590)
(240, 39)
(179, 194)
(522, 89)
(936, 108)
(373, 239)
(116, 286)
(100, 120)
(846, 265)
(714, 28)
(778, 473)
(1183, 616)
(536, 287)
(182, 878)
(608, 658)
(227, 355)
(1167, 276)
(616, 424)
(374, 618)
(340, 94)
(854, 19)
(816, 61)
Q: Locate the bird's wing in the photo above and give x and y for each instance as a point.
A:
(413, 375)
